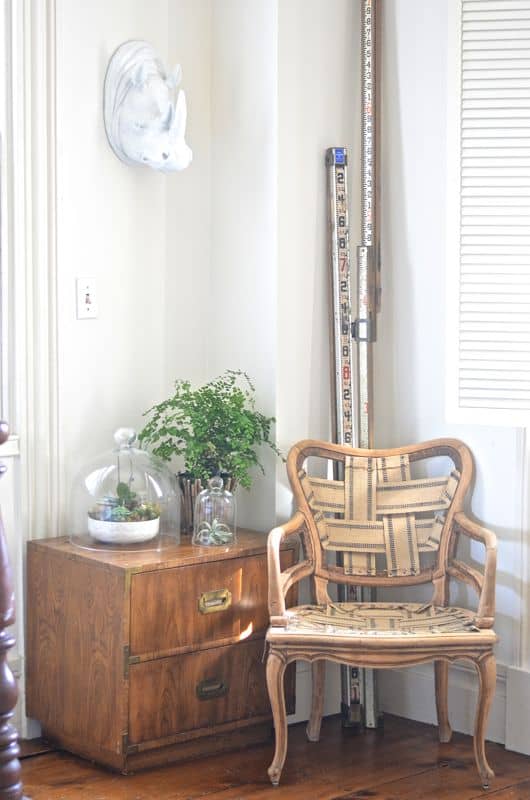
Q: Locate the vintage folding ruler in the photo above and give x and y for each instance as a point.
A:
(353, 399)
(343, 412)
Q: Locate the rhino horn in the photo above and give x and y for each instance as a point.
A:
(178, 128)
(174, 77)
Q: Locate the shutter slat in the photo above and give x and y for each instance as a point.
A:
(497, 33)
(492, 114)
(494, 279)
(488, 28)
(490, 93)
(485, 221)
(487, 365)
(492, 15)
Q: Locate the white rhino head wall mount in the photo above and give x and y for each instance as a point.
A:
(143, 123)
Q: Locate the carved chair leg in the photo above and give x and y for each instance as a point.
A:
(275, 672)
(317, 701)
(441, 673)
(488, 677)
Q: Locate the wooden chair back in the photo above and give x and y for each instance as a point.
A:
(379, 517)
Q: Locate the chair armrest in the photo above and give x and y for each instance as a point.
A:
(280, 582)
(482, 582)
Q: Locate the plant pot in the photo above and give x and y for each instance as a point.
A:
(190, 488)
(123, 532)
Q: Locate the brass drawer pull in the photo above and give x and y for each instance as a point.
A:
(210, 688)
(218, 600)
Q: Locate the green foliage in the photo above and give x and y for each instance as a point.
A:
(216, 428)
(125, 495)
(124, 507)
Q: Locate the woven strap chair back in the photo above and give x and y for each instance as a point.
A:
(378, 518)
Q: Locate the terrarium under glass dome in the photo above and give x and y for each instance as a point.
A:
(125, 500)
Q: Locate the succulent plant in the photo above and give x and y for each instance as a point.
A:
(125, 506)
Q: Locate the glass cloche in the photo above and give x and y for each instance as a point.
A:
(214, 518)
(125, 500)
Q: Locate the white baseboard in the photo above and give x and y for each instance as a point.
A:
(410, 693)
(304, 688)
(518, 710)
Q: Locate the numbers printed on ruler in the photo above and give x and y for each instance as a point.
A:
(368, 126)
(343, 255)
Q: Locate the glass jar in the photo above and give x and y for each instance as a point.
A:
(214, 520)
(125, 500)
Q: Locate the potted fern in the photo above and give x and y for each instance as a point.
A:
(215, 428)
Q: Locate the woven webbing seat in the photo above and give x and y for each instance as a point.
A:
(380, 619)
(380, 518)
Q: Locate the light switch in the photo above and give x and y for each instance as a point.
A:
(87, 305)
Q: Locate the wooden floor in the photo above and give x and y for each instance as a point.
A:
(403, 761)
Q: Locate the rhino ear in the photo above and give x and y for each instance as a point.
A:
(139, 75)
(179, 123)
(174, 77)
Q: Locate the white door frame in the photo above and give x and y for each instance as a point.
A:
(31, 495)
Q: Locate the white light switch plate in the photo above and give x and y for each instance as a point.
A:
(86, 298)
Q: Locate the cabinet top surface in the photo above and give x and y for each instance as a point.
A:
(175, 555)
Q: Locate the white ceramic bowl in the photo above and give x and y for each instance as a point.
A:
(123, 532)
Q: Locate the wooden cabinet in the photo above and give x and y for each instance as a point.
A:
(137, 659)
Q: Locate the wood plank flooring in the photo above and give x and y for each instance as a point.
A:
(403, 762)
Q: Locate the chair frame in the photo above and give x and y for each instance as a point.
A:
(376, 652)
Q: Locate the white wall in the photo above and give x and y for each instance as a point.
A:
(240, 321)
(318, 107)
(111, 223)
(188, 212)
(141, 234)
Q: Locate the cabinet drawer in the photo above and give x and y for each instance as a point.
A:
(197, 690)
(199, 606)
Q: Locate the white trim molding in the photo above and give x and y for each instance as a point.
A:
(410, 693)
(31, 495)
(39, 432)
(524, 630)
(518, 710)
(518, 677)
(30, 263)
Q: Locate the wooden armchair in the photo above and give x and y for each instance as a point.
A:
(385, 528)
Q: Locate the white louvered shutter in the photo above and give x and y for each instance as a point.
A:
(490, 320)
